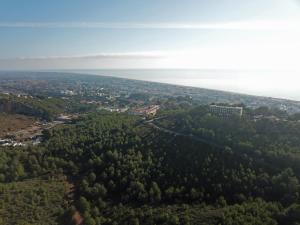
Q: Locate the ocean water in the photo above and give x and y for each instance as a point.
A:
(278, 84)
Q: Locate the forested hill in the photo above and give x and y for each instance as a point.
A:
(125, 171)
(270, 138)
(46, 108)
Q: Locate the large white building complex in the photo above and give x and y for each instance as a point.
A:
(226, 111)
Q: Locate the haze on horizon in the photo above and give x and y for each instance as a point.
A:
(191, 34)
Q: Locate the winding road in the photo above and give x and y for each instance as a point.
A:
(191, 136)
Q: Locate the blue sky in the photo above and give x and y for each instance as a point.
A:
(64, 34)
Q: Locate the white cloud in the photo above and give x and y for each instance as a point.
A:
(114, 55)
(237, 56)
(247, 25)
(88, 61)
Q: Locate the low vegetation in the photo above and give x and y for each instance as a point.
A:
(12, 122)
(34, 202)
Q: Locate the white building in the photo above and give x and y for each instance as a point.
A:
(226, 111)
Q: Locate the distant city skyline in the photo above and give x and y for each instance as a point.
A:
(224, 34)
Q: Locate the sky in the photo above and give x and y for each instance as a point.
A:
(118, 34)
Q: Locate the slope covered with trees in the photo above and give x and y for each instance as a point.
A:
(128, 172)
(40, 106)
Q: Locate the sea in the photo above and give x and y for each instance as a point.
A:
(278, 84)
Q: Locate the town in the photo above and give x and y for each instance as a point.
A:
(46, 103)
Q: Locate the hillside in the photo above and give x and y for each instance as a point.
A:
(31, 106)
(10, 123)
(41, 107)
(128, 172)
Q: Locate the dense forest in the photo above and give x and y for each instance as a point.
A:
(120, 169)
